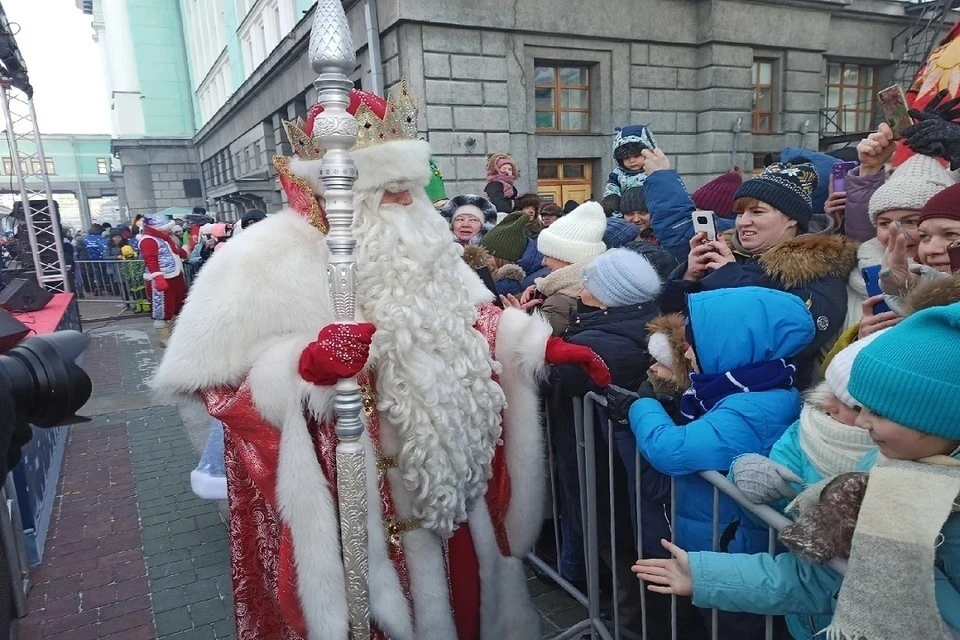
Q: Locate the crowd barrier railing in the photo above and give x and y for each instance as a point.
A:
(116, 282)
(609, 626)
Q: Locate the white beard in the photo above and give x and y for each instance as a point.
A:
(433, 368)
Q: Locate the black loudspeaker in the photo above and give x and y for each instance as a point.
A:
(24, 295)
(12, 331)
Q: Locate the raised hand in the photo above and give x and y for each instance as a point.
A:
(875, 151)
(935, 132)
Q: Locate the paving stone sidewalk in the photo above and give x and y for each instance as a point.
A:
(132, 553)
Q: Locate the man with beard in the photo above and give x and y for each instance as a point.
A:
(454, 452)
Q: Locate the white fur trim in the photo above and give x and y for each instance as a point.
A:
(399, 162)
(521, 344)
(306, 505)
(477, 291)
(309, 170)
(506, 610)
(658, 346)
(208, 487)
(270, 281)
(156, 274)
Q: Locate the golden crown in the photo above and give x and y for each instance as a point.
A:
(399, 120)
(304, 147)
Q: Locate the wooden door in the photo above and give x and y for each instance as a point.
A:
(562, 180)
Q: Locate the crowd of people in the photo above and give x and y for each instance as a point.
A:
(805, 349)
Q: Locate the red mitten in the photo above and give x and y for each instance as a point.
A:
(160, 283)
(562, 352)
(340, 351)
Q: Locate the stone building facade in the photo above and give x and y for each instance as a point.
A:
(721, 82)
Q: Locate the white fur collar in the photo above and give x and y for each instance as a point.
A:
(267, 283)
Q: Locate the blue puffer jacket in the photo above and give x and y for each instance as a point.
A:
(532, 263)
(778, 325)
(671, 212)
(788, 584)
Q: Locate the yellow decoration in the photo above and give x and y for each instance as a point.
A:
(399, 121)
(942, 70)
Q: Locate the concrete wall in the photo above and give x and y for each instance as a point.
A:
(154, 171)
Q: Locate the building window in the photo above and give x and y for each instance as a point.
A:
(763, 96)
(562, 98)
(103, 166)
(850, 98)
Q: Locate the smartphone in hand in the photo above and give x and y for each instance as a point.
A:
(839, 175)
(871, 278)
(954, 253)
(706, 222)
(893, 106)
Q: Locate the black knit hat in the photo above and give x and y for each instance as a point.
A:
(786, 187)
(633, 200)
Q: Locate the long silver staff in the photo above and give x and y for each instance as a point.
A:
(333, 58)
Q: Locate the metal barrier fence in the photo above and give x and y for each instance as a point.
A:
(115, 282)
(609, 627)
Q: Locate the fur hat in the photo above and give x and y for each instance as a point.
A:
(946, 204)
(507, 239)
(633, 199)
(786, 187)
(911, 186)
(620, 278)
(529, 200)
(934, 292)
(497, 160)
(551, 209)
(577, 236)
(474, 205)
(717, 195)
(667, 345)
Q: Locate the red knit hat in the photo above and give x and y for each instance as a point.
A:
(945, 204)
(717, 195)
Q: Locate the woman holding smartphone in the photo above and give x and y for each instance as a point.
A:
(778, 243)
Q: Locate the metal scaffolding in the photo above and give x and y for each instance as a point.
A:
(29, 165)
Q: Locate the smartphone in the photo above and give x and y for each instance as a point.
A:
(893, 106)
(954, 253)
(705, 221)
(871, 277)
(839, 175)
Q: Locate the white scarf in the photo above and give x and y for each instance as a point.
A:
(832, 447)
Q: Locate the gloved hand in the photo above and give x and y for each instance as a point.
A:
(762, 480)
(160, 283)
(562, 352)
(619, 401)
(340, 351)
(935, 132)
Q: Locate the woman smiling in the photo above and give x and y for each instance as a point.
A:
(778, 243)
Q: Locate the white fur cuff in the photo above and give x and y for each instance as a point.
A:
(659, 349)
(156, 274)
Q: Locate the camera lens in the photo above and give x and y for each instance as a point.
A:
(701, 220)
(46, 384)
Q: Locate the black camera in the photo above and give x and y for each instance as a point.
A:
(40, 385)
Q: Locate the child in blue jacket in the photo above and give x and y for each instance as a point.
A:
(741, 400)
(903, 575)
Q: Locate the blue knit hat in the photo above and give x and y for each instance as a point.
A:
(620, 278)
(786, 187)
(910, 373)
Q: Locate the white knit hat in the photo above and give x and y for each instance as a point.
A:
(577, 236)
(911, 185)
(837, 375)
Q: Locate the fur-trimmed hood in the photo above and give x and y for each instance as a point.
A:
(936, 292)
(811, 257)
(476, 257)
(667, 344)
(510, 272)
(565, 281)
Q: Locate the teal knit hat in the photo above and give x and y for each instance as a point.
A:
(911, 375)
(507, 240)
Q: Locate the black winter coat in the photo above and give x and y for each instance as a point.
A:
(494, 193)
